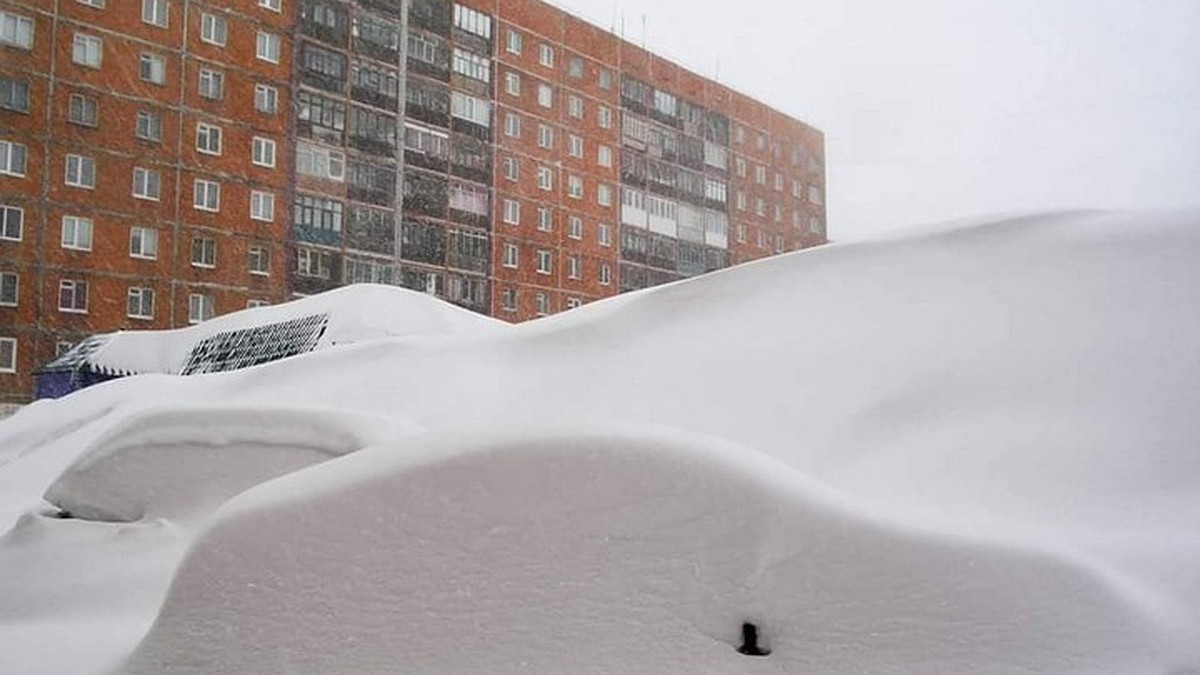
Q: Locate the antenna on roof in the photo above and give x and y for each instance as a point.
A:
(643, 31)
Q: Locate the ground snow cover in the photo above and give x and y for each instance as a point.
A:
(970, 448)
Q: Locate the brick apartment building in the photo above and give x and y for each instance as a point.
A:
(164, 161)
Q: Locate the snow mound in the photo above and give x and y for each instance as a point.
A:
(634, 552)
(356, 313)
(179, 461)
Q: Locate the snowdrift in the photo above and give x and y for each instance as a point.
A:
(614, 553)
(969, 446)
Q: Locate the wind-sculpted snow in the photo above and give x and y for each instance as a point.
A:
(182, 461)
(967, 449)
(628, 552)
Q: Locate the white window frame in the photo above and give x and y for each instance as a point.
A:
(16, 30)
(156, 13)
(262, 255)
(87, 50)
(152, 121)
(74, 285)
(16, 286)
(514, 42)
(78, 108)
(200, 308)
(574, 227)
(512, 125)
(575, 106)
(262, 206)
(604, 156)
(79, 171)
(214, 29)
(210, 84)
(139, 294)
(262, 152)
(575, 186)
(604, 194)
(9, 165)
(512, 168)
(575, 146)
(204, 192)
(512, 83)
(8, 346)
(545, 220)
(545, 261)
(266, 99)
(208, 252)
(143, 243)
(545, 178)
(142, 182)
(604, 274)
(512, 256)
(273, 5)
(545, 95)
(152, 68)
(77, 232)
(9, 215)
(268, 46)
(512, 212)
(208, 139)
(604, 234)
(546, 55)
(574, 267)
(604, 117)
(545, 136)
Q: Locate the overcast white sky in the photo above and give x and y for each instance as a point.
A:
(935, 109)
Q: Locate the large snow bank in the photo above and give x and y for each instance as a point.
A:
(1019, 393)
(617, 553)
(357, 313)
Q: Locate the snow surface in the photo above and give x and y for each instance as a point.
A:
(971, 447)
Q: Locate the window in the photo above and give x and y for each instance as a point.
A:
(605, 235)
(545, 261)
(81, 172)
(606, 78)
(313, 160)
(148, 126)
(512, 212)
(262, 152)
(143, 243)
(266, 99)
(575, 187)
(543, 303)
(259, 260)
(760, 175)
(73, 296)
(604, 156)
(262, 205)
(206, 195)
(573, 267)
(154, 12)
(545, 179)
(213, 29)
(9, 289)
(471, 109)
(8, 355)
(273, 5)
(545, 95)
(575, 227)
(814, 194)
(312, 263)
(83, 110)
(512, 125)
(316, 213)
(469, 64)
(267, 47)
(200, 307)
(604, 117)
(575, 146)
(545, 136)
(512, 84)
(208, 138)
(508, 299)
(87, 50)
(472, 21)
(760, 207)
(252, 303)
(511, 168)
(741, 200)
(98, 4)
(147, 183)
(513, 42)
(204, 252)
(778, 182)
(604, 195)
(605, 274)
(16, 30)
(545, 219)
(14, 94)
(12, 222)
(140, 303)
(575, 67)
(574, 302)
(741, 234)
(575, 106)
(211, 84)
(546, 55)
(512, 255)
(814, 225)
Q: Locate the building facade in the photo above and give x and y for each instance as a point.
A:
(164, 161)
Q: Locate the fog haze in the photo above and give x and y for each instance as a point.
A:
(936, 109)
